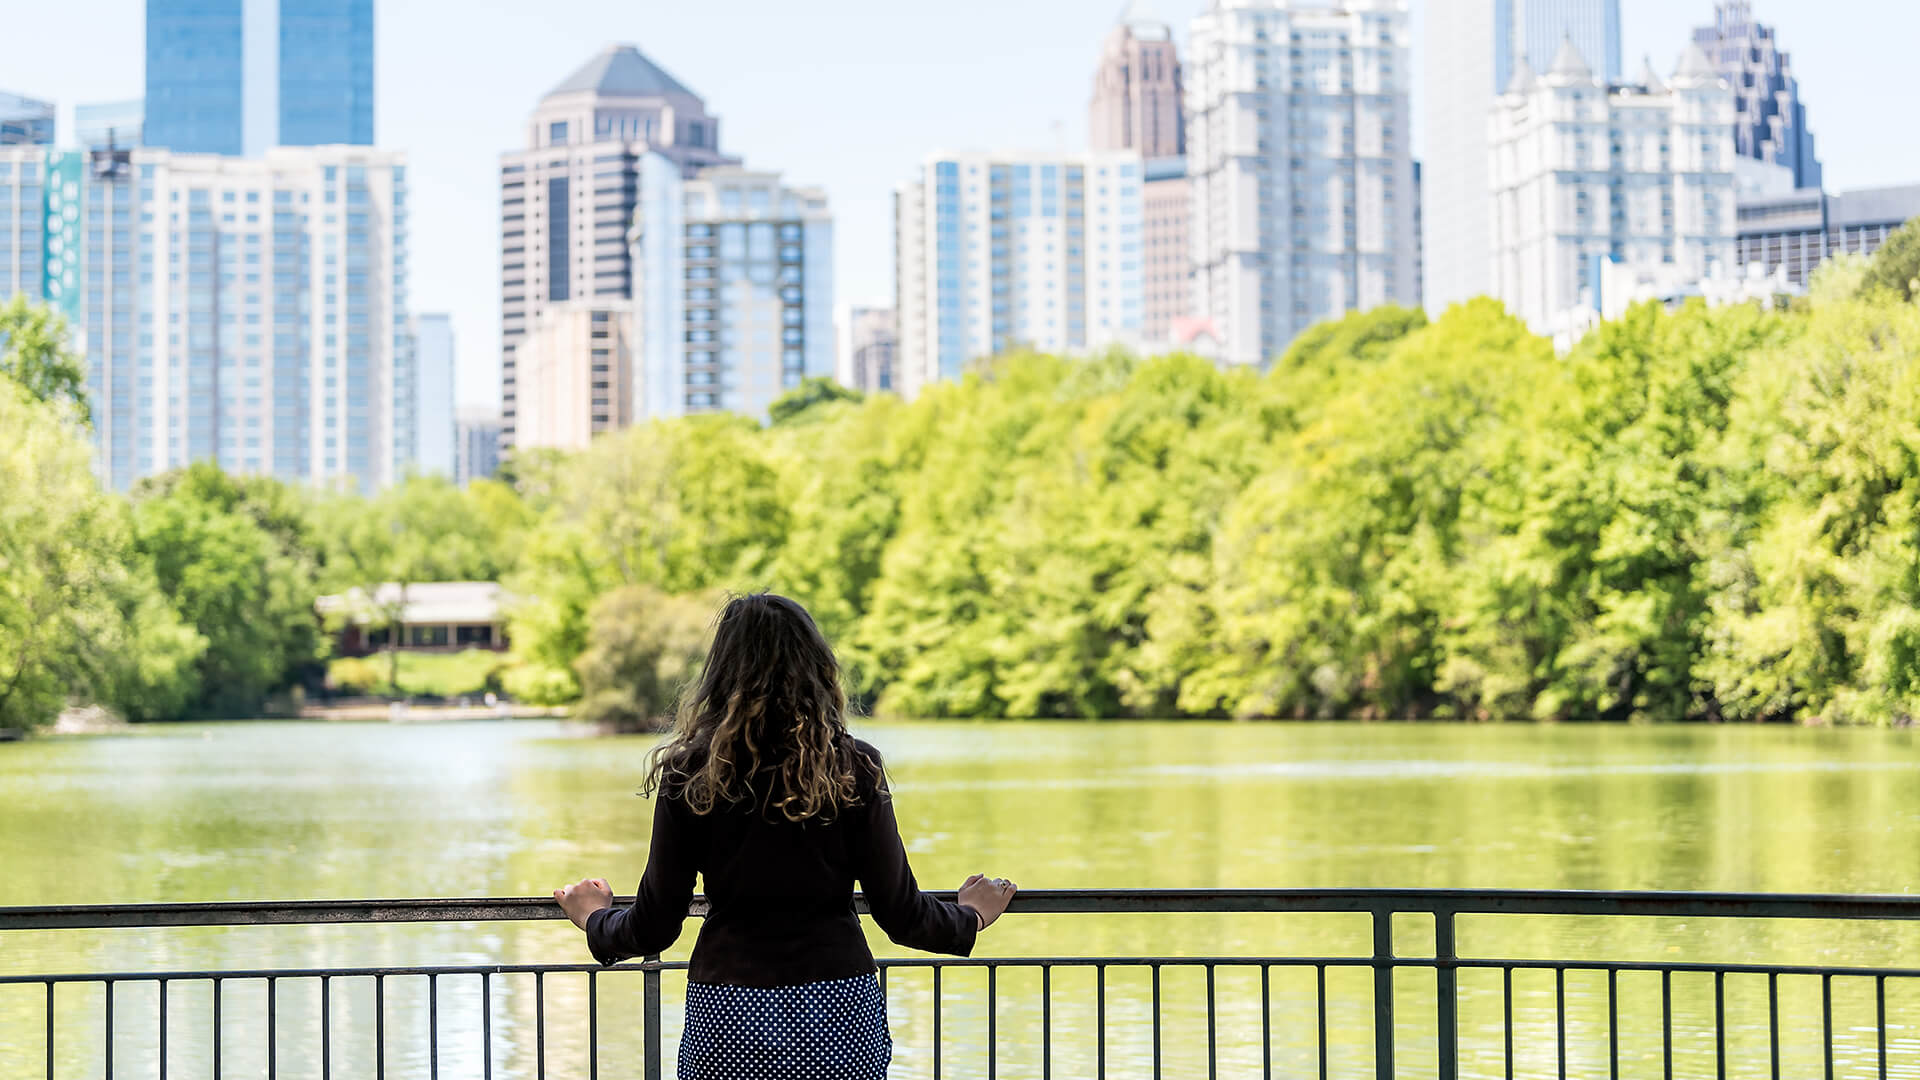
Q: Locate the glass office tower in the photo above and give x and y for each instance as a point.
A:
(242, 76)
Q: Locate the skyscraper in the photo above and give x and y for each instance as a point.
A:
(1299, 153)
(1473, 48)
(567, 200)
(1770, 122)
(25, 121)
(867, 342)
(241, 76)
(247, 311)
(1585, 171)
(1137, 106)
(735, 287)
(997, 250)
(1136, 89)
(433, 360)
(476, 452)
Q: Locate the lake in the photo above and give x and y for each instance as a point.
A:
(313, 810)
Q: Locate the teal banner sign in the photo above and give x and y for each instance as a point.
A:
(60, 262)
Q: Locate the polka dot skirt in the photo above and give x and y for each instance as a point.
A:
(834, 1030)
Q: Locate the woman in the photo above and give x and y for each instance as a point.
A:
(761, 791)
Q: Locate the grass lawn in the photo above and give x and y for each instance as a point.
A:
(438, 674)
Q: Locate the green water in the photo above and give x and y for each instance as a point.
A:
(267, 811)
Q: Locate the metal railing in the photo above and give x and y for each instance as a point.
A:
(1392, 975)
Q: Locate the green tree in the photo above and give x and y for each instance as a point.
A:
(643, 648)
(35, 354)
(231, 558)
(1896, 266)
(806, 400)
(81, 619)
(684, 506)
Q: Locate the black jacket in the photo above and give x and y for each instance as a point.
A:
(780, 893)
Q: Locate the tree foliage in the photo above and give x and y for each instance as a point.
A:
(234, 557)
(1895, 268)
(35, 355)
(81, 617)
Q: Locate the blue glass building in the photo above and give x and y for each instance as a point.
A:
(239, 76)
(1534, 29)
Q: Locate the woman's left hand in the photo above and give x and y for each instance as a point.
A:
(582, 900)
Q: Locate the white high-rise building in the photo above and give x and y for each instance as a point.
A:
(1472, 48)
(867, 342)
(734, 286)
(434, 382)
(1642, 175)
(567, 200)
(999, 250)
(1299, 160)
(247, 311)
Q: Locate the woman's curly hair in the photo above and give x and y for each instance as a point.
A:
(765, 723)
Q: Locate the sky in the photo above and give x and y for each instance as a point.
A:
(849, 95)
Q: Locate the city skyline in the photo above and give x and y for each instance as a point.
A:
(503, 57)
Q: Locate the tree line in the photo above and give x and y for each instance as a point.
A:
(1703, 514)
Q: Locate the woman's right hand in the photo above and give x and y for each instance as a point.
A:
(988, 897)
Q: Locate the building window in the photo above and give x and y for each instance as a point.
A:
(557, 132)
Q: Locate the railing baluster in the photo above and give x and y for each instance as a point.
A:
(936, 1022)
(272, 1030)
(650, 988)
(1156, 1022)
(1382, 995)
(1506, 1015)
(1613, 1024)
(593, 1025)
(219, 988)
(1047, 1021)
(1880, 1020)
(1560, 1019)
(1720, 1025)
(1212, 1068)
(540, 1025)
(1446, 985)
(486, 1025)
(109, 1073)
(1321, 1009)
(1826, 1023)
(163, 1029)
(993, 1022)
(433, 1026)
(326, 1027)
(1100, 1022)
(50, 1030)
(380, 1027)
(1773, 1021)
(1266, 1023)
(1666, 1023)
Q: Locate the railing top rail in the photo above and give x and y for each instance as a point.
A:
(1030, 902)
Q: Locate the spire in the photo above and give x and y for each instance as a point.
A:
(1650, 81)
(1695, 69)
(1523, 78)
(1569, 64)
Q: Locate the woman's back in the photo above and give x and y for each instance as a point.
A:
(762, 793)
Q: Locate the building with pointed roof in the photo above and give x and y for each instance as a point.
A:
(567, 199)
(1475, 51)
(1585, 173)
(1770, 123)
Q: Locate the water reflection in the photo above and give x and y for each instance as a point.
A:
(313, 810)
